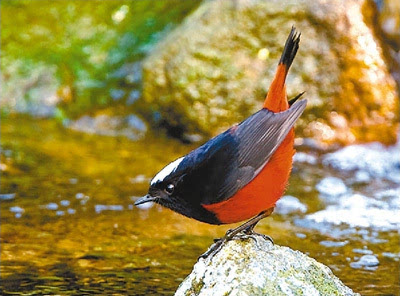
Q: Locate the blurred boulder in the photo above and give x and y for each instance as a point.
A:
(35, 94)
(215, 68)
(129, 126)
(252, 265)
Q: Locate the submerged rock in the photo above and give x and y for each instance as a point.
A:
(214, 70)
(129, 126)
(252, 265)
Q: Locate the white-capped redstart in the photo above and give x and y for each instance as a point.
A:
(242, 172)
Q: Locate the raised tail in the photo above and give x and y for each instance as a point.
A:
(276, 99)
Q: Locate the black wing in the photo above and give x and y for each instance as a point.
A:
(225, 164)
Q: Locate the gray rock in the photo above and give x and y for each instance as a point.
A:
(254, 266)
(214, 69)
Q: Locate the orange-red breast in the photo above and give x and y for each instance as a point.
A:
(242, 171)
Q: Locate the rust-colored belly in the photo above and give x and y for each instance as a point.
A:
(262, 192)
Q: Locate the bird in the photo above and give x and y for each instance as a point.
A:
(241, 173)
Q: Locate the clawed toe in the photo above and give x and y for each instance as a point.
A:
(268, 238)
(220, 242)
(214, 249)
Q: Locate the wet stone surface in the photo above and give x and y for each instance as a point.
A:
(252, 265)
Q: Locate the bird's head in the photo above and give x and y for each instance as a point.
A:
(163, 187)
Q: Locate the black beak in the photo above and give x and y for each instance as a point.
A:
(144, 199)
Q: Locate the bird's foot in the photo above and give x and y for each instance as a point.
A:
(250, 233)
(267, 237)
(230, 235)
(247, 233)
(214, 249)
(219, 243)
(246, 230)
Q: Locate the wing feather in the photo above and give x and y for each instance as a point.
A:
(257, 138)
(228, 162)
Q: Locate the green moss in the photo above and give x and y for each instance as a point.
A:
(196, 287)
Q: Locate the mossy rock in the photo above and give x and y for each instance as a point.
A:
(215, 68)
(252, 265)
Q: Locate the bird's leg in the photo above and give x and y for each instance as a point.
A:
(250, 229)
(246, 227)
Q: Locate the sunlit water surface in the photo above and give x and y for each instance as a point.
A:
(71, 227)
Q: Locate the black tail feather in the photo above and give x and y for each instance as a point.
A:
(292, 101)
(291, 47)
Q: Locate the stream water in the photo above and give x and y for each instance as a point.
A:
(69, 227)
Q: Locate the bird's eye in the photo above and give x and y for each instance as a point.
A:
(169, 189)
